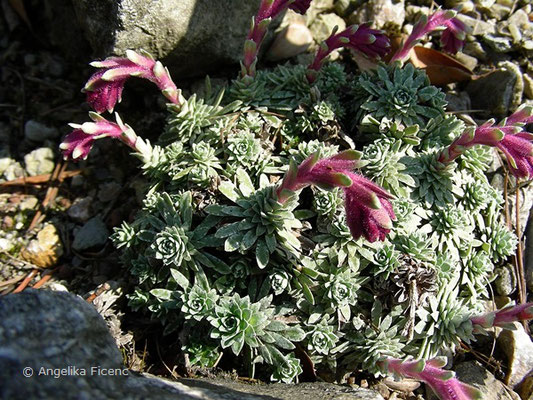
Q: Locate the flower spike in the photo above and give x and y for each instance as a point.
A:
(441, 381)
(361, 38)
(79, 142)
(505, 317)
(452, 38)
(368, 210)
(104, 88)
(268, 10)
(508, 136)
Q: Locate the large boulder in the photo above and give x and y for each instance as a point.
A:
(192, 36)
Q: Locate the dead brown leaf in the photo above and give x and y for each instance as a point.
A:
(440, 67)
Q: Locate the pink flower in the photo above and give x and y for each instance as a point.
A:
(368, 210)
(372, 221)
(452, 38)
(361, 38)
(442, 382)
(504, 317)
(79, 142)
(508, 136)
(268, 10)
(104, 88)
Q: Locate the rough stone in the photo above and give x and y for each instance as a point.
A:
(108, 191)
(525, 200)
(193, 36)
(477, 26)
(13, 170)
(498, 91)
(323, 26)
(315, 391)
(80, 210)
(291, 41)
(45, 250)
(318, 7)
(380, 12)
(91, 235)
(51, 335)
(37, 132)
(505, 283)
(498, 44)
(39, 161)
(473, 373)
(518, 347)
(528, 86)
(458, 101)
(468, 61)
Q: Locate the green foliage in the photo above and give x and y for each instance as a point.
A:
(216, 258)
(384, 166)
(381, 338)
(402, 95)
(444, 322)
(261, 222)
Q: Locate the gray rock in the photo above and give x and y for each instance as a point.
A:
(473, 373)
(458, 101)
(498, 44)
(194, 36)
(91, 235)
(497, 92)
(5, 162)
(315, 391)
(380, 12)
(13, 170)
(505, 283)
(40, 161)
(518, 348)
(80, 210)
(528, 86)
(323, 25)
(468, 61)
(525, 200)
(108, 191)
(477, 26)
(59, 333)
(318, 7)
(294, 39)
(37, 132)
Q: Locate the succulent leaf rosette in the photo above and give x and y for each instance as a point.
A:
(344, 215)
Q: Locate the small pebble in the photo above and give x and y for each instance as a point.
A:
(37, 132)
(45, 250)
(80, 210)
(39, 161)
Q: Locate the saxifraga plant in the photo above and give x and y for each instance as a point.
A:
(289, 242)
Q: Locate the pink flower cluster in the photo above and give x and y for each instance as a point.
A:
(361, 38)
(452, 38)
(268, 10)
(79, 142)
(104, 91)
(369, 212)
(441, 381)
(104, 88)
(508, 136)
(505, 317)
